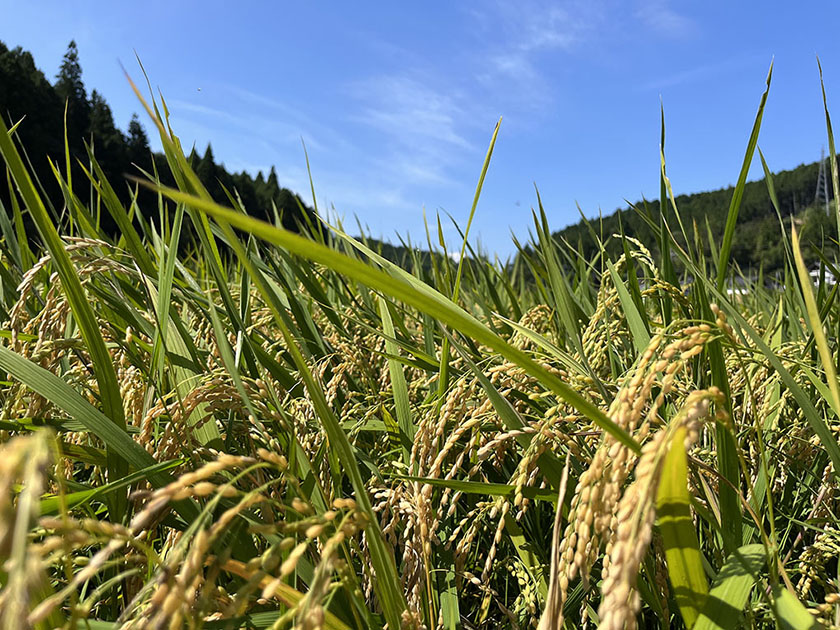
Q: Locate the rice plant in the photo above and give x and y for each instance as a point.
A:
(255, 428)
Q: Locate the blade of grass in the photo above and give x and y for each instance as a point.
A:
(738, 193)
(68, 400)
(635, 321)
(666, 265)
(398, 384)
(832, 154)
(51, 505)
(443, 372)
(791, 614)
(682, 550)
(727, 451)
(483, 488)
(816, 321)
(726, 601)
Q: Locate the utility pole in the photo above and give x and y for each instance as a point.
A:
(821, 196)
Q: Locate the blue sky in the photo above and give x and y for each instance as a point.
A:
(397, 101)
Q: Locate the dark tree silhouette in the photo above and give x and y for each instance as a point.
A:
(70, 89)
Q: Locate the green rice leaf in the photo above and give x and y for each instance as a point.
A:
(682, 550)
(726, 601)
(737, 195)
(791, 614)
(398, 385)
(51, 505)
(816, 321)
(635, 321)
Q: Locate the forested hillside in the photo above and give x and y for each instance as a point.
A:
(28, 97)
(703, 215)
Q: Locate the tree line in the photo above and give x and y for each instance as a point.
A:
(758, 243)
(41, 107)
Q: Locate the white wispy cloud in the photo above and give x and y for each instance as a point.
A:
(704, 72)
(523, 35)
(534, 25)
(546, 26)
(527, 36)
(250, 125)
(662, 17)
(419, 128)
(410, 109)
(422, 126)
(313, 129)
(259, 119)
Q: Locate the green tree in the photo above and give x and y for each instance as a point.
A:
(137, 149)
(108, 141)
(25, 93)
(271, 182)
(102, 125)
(71, 89)
(206, 167)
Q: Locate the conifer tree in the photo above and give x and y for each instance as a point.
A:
(71, 89)
(137, 149)
(206, 168)
(102, 128)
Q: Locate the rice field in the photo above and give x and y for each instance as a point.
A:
(262, 429)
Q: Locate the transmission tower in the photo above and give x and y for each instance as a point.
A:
(821, 196)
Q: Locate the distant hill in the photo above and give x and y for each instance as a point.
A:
(25, 93)
(758, 242)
